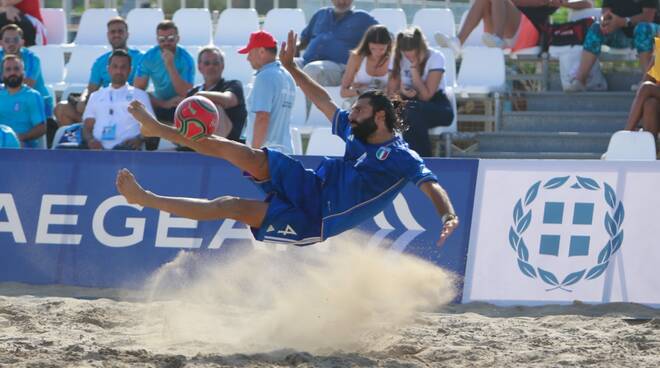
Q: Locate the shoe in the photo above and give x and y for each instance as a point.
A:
(575, 86)
(492, 40)
(452, 43)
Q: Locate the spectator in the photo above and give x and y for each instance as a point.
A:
(8, 138)
(21, 107)
(11, 40)
(272, 96)
(368, 63)
(70, 111)
(647, 101)
(513, 24)
(623, 24)
(226, 94)
(328, 38)
(417, 78)
(107, 123)
(171, 70)
(27, 15)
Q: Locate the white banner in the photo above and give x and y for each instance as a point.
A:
(559, 231)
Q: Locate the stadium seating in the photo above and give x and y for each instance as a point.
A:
(278, 22)
(55, 23)
(299, 111)
(296, 137)
(482, 71)
(574, 15)
(92, 28)
(194, 52)
(235, 26)
(631, 146)
(236, 65)
(142, 24)
(323, 143)
(81, 61)
(316, 118)
(194, 26)
(432, 20)
(392, 18)
(52, 65)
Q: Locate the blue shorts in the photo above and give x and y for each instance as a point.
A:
(294, 196)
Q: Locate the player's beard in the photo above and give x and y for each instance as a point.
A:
(364, 129)
(13, 81)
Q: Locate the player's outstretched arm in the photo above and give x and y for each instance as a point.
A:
(443, 206)
(312, 90)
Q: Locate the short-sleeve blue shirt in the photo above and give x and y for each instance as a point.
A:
(152, 67)
(22, 111)
(367, 179)
(274, 92)
(100, 75)
(332, 40)
(32, 69)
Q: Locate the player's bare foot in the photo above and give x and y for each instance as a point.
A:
(129, 188)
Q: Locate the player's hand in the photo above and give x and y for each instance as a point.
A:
(12, 13)
(148, 124)
(408, 92)
(94, 145)
(447, 229)
(288, 50)
(168, 57)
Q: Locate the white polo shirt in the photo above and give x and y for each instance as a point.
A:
(108, 107)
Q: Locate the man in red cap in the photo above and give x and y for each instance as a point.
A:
(272, 96)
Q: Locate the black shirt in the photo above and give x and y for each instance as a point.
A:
(238, 113)
(538, 15)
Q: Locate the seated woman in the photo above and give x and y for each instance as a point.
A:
(645, 105)
(27, 15)
(416, 77)
(368, 63)
(508, 24)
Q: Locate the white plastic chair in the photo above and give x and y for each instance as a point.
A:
(142, 23)
(323, 143)
(296, 137)
(316, 118)
(280, 21)
(392, 18)
(450, 66)
(194, 52)
(55, 23)
(236, 65)
(52, 65)
(432, 20)
(631, 146)
(92, 29)
(194, 25)
(235, 26)
(574, 15)
(299, 112)
(81, 61)
(482, 71)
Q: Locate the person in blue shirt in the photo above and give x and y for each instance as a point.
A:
(117, 32)
(328, 38)
(21, 107)
(11, 40)
(272, 97)
(304, 206)
(8, 138)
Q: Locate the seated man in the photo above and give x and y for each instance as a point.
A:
(623, 24)
(107, 123)
(11, 40)
(329, 36)
(226, 94)
(21, 107)
(68, 113)
(171, 69)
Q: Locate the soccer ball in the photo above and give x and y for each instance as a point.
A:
(196, 117)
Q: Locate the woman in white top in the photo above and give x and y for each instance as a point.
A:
(416, 77)
(368, 63)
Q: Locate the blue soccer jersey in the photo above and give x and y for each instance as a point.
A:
(307, 206)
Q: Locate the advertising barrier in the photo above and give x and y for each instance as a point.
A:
(558, 231)
(63, 222)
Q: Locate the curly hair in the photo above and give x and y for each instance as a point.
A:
(392, 108)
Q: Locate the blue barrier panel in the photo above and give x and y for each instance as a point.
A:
(63, 222)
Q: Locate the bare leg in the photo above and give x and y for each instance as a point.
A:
(66, 114)
(587, 61)
(646, 91)
(478, 11)
(250, 212)
(505, 18)
(645, 61)
(650, 116)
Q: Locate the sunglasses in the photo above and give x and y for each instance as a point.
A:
(12, 68)
(207, 63)
(15, 39)
(170, 38)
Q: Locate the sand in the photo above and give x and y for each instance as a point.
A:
(327, 307)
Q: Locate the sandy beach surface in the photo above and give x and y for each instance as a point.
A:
(351, 308)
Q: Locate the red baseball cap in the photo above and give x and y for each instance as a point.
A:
(259, 39)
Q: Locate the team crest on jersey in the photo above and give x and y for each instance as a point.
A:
(383, 153)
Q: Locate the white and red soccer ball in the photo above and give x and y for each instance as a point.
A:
(196, 117)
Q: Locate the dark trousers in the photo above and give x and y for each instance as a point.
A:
(424, 115)
(29, 33)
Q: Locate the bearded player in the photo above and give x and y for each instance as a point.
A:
(302, 206)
